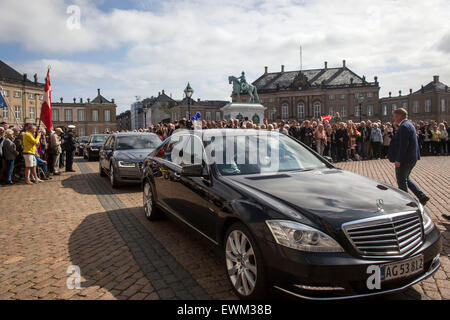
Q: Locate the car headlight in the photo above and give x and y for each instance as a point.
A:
(301, 237)
(428, 224)
(125, 164)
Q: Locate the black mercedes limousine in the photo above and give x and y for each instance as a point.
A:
(285, 219)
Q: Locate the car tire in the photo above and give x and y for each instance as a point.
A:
(100, 170)
(112, 177)
(244, 264)
(152, 212)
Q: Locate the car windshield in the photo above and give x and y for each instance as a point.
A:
(260, 153)
(98, 139)
(84, 139)
(138, 142)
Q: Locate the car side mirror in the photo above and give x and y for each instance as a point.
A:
(329, 159)
(195, 170)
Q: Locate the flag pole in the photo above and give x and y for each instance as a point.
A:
(9, 106)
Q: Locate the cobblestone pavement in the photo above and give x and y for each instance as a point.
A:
(123, 256)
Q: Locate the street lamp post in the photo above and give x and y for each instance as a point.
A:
(360, 98)
(189, 92)
(144, 110)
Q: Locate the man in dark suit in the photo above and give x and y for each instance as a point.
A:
(404, 151)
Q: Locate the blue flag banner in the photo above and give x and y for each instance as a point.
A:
(2, 101)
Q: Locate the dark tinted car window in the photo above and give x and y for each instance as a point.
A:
(241, 155)
(138, 142)
(171, 146)
(99, 139)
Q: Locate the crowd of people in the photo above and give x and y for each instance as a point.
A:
(32, 154)
(335, 138)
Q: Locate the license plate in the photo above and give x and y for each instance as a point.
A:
(402, 269)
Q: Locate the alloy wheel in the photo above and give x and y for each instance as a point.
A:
(148, 200)
(241, 262)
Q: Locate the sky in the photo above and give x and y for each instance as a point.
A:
(137, 48)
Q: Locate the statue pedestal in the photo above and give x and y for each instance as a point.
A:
(239, 110)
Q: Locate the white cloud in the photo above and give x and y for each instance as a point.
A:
(402, 42)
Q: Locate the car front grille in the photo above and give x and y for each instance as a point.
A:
(394, 236)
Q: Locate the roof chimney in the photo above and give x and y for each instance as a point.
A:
(390, 94)
(35, 78)
(266, 69)
(343, 64)
(436, 79)
(376, 79)
(89, 100)
(410, 91)
(326, 65)
(198, 100)
(112, 101)
(61, 100)
(98, 90)
(399, 93)
(163, 91)
(282, 68)
(74, 100)
(24, 77)
(81, 100)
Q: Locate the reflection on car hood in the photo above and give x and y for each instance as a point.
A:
(333, 195)
(132, 155)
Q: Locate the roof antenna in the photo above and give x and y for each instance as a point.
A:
(301, 58)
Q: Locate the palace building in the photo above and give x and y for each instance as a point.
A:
(431, 102)
(306, 94)
(89, 117)
(24, 97)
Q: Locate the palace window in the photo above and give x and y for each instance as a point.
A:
(394, 106)
(17, 94)
(81, 115)
(343, 96)
(6, 93)
(416, 107)
(6, 113)
(32, 113)
(317, 109)
(369, 110)
(208, 116)
(428, 105)
(331, 97)
(300, 111)
(284, 111)
(331, 111)
(218, 117)
(55, 115)
(405, 105)
(343, 112)
(107, 115)
(357, 111)
(81, 131)
(443, 105)
(94, 115)
(369, 94)
(17, 111)
(31, 96)
(385, 109)
(68, 115)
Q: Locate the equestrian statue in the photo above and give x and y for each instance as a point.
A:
(240, 86)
